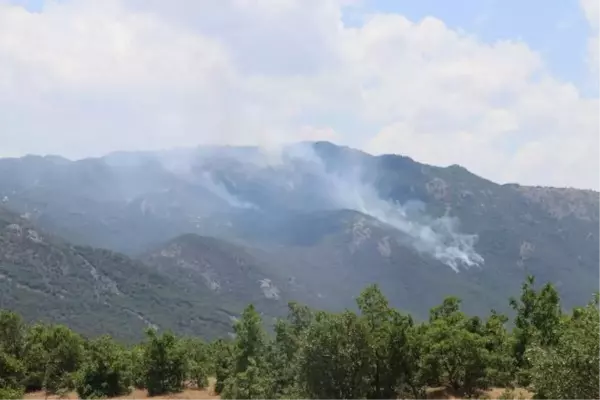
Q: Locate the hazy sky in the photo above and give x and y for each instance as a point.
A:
(507, 88)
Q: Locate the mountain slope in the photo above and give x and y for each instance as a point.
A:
(316, 214)
(99, 291)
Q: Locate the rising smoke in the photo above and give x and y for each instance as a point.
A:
(437, 237)
(346, 188)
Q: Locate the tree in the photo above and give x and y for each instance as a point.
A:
(388, 343)
(570, 368)
(416, 375)
(198, 361)
(538, 315)
(52, 353)
(105, 371)
(164, 363)
(250, 338)
(282, 354)
(222, 355)
(8, 393)
(500, 365)
(12, 369)
(12, 333)
(12, 372)
(137, 367)
(335, 360)
(251, 383)
(454, 354)
(249, 374)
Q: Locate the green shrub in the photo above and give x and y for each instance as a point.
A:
(11, 393)
(105, 371)
(164, 364)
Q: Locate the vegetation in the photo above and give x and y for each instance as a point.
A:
(375, 353)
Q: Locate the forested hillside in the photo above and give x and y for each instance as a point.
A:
(309, 215)
(378, 352)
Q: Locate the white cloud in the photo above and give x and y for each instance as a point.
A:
(591, 10)
(84, 78)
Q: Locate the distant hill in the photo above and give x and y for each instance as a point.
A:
(320, 221)
(98, 291)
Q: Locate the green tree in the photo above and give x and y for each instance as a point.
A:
(52, 354)
(12, 333)
(290, 336)
(12, 372)
(538, 315)
(500, 364)
(335, 360)
(164, 363)
(388, 343)
(12, 369)
(137, 367)
(105, 370)
(249, 375)
(251, 383)
(250, 338)
(569, 368)
(9, 393)
(221, 352)
(454, 354)
(416, 375)
(198, 361)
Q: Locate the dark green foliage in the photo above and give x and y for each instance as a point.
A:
(199, 363)
(538, 319)
(377, 353)
(335, 360)
(249, 377)
(137, 367)
(52, 355)
(105, 371)
(222, 355)
(454, 352)
(8, 393)
(251, 383)
(569, 368)
(164, 363)
(389, 346)
(12, 338)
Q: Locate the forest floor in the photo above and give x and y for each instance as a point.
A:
(136, 394)
(209, 393)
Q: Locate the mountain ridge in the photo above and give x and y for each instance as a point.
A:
(318, 213)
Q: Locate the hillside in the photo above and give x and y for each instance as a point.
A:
(98, 291)
(314, 215)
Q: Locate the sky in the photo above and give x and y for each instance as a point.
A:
(505, 88)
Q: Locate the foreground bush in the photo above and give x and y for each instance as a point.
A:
(11, 393)
(164, 362)
(105, 371)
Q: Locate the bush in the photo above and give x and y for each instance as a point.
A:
(11, 393)
(164, 364)
(105, 371)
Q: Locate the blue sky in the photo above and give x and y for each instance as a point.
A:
(556, 29)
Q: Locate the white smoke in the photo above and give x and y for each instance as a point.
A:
(221, 191)
(438, 237)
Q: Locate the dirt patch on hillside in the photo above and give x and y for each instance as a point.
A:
(494, 393)
(139, 395)
(209, 393)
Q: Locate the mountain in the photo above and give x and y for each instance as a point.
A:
(320, 221)
(98, 291)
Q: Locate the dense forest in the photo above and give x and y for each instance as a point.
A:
(378, 352)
